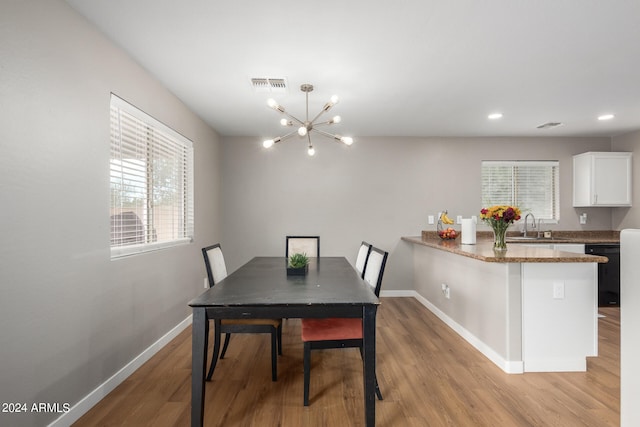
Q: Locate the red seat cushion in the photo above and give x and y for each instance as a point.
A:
(331, 329)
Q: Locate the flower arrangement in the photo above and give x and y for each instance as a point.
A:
(499, 218)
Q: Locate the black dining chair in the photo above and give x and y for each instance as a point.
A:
(216, 272)
(341, 332)
(308, 245)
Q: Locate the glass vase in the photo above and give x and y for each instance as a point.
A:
(500, 238)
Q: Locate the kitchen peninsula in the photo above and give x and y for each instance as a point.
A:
(529, 309)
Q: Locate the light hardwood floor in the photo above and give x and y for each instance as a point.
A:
(428, 375)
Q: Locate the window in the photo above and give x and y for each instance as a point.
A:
(151, 180)
(530, 185)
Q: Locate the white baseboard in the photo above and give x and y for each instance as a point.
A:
(84, 405)
(510, 367)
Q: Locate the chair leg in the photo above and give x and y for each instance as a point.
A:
(274, 357)
(307, 373)
(280, 339)
(216, 350)
(378, 392)
(227, 337)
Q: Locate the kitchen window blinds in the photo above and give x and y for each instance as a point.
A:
(151, 182)
(530, 185)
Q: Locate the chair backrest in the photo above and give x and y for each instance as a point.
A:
(363, 256)
(375, 269)
(309, 245)
(214, 261)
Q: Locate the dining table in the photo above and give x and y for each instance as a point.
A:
(261, 288)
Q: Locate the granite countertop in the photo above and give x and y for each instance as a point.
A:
(516, 252)
(586, 237)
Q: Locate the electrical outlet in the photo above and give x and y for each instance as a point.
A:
(583, 218)
(445, 291)
(431, 219)
(558, 290)
(206, 283)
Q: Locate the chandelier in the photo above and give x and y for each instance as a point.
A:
(307, 126)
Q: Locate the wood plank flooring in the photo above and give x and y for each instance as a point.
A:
(428, 375)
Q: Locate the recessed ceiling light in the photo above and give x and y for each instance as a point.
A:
(606, 117)
(495, 116)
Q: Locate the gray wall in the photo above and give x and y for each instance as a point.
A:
(379, 189)
(69, 316)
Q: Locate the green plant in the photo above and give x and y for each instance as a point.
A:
(298, 260)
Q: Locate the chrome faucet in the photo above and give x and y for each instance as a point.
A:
(533, 218)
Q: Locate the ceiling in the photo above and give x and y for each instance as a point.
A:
(407, 68)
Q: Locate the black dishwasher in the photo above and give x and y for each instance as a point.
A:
(608, 273)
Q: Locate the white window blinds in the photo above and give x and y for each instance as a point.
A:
(530, 185)
(151, 180)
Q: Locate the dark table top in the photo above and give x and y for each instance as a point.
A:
(263, 281)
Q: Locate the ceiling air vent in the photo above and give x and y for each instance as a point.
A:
(549, 125)
(266, 84)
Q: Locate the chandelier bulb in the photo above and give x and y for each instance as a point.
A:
(302, 131)
(268, 143)
(285, 122)
(334, 99)
(311, 151)
(273, 104)
(347, 140)
(336, 119)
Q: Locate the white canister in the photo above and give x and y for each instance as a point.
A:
(468, 231)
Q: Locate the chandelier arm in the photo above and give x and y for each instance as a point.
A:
(282, 138)
(327, 134)
(318, 115)
(328, 122)
(293, 117)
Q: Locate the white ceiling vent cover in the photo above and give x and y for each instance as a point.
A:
(549, 125)
(267, 84)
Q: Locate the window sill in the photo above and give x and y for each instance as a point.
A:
(119, 252)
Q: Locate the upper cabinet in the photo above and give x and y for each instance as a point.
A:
(602, 179)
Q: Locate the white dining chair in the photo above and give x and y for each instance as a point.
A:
(363, 256)
(308, 245)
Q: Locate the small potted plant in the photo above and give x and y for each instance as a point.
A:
(298, 264)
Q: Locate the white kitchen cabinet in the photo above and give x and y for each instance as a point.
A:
(602, 179)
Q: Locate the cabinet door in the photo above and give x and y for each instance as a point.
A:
(611, 180)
